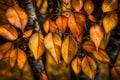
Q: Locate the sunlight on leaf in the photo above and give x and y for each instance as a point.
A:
(77, 5)
(27, 33)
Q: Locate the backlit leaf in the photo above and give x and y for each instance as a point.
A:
(69, 49)
(96, 34)
(76, 65)
(36, 45)
(61, 22)
(109, 5)
(102, 56)
(89, 6)
(43, 76)
(110, 22)
(89, 46)
(77, 5)
(27, 33)
(17, 16)
(8, 32)
(115, 73)
(53, 44)
(89, 67)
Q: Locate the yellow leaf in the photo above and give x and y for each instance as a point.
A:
(8, 32)
(102, 56)
(115, 73)
(76, 65)
(43, 76)
(53, 44)
(89, 67)
(77, 5)
(69, 49)
(109, 5)
(36, 44)
(66, 1)
(27, 33)
(110, 21)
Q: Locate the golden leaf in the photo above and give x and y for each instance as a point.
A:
(69, 49)
(109, 5)
(89, 6)
(89, 46)
(66, 2)
(46, 26)
(110, 22)
(102, 56)
(53, 43)
(89, 67)
(76, 65)
(8, 32)
(77, 5)
(115, 73)
(17, 16)
(96, 34)
(43, 76)
(27, 33)
(61, 22)
(36, 45)
(4, 48)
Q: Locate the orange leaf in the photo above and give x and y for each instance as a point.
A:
(46, 26)
(115, 73)
(8, 32)
(96, 34)
(69, 49)
(76, 65)
(53, 44)
(61, 22)
(92, 18)
(27, 33)
(89, 67)
(17, 16)
(21, 58)
(66, 1)
(36, 44)
(89, 6)
(77, 5)
(102, 56)
(89, 46)
(43, 76)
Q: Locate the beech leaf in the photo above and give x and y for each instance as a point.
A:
(77, 5)
(110, 22)
(89, 67)
(115, 73)
(96, 34)
(27, 33)
(8, 32)
(17, 16)
(69, 49)
(36, 45)
(53, 44)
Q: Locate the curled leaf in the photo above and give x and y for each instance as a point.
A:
(61, 22)
(36, 45)
(53, 43)
(102, 56)
(27, 33)
(69, 49)
(96, 34)
(89, 6)
(110, 22)
(17, 17)
(8, 32)
(76, 65)
(89, 46)
(109, 5)
(115, 73)
(43, 76)
(89, 67)
(77, 5)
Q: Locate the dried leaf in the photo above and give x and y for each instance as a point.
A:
(4, 48)
(110, 22)
(8, 32)
(89, 67)
(36, 44)
(102, 56)
(21, 58)
(17, 16)
(66, 2)
(76, 65)
(96, 34)
(115, 73)
(77, 5)
(43, 76)
(27, 33)
(89, 6)
(69, 49)
(89, 46)
(61, 22)
(109, 5)
(53, 44)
